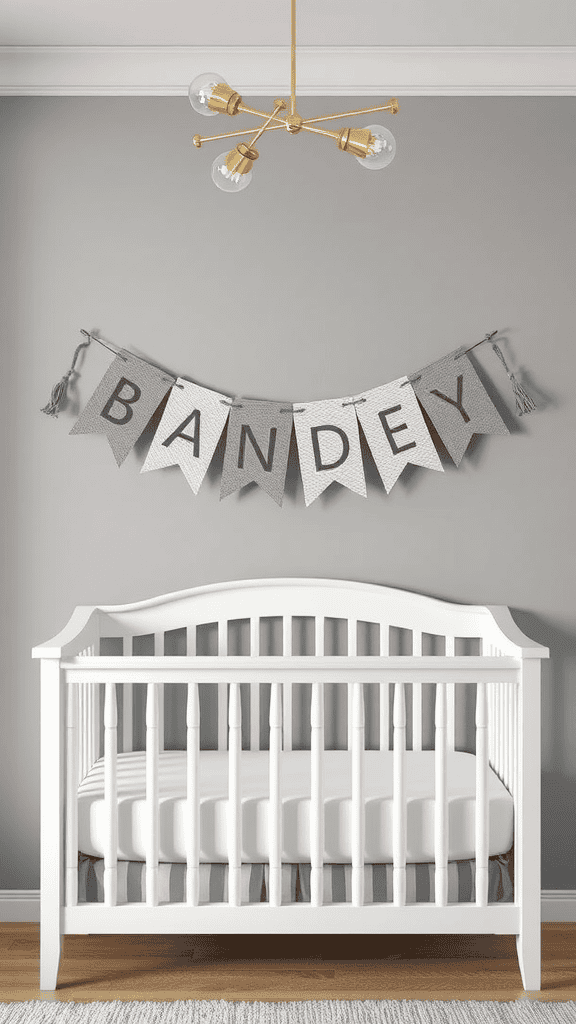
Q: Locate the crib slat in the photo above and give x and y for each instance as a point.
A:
(481, 796)
(440, 798)
(127, 716)
(317, 795)
(514, 739)
(72, 796)
(319, 636)
(127, 705)
(416, 695)
(255, 687)
(358, 825)
(152, 791)
(352, 651)
(451, 698)
(234, 797)
(110, 797)
(286, 686)
(193, 795)
(275, 819)
(159, 653)
(497, 728)
(222, 688)
(384, 650)
(83, 711)
(507, 738)
(95, 715)
(191, 641)
(384, 716)
(399, 798)
(416, 716)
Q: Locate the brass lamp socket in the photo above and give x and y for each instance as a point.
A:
(394, 106)
(240, 159)
(356, 141)
(224, 100)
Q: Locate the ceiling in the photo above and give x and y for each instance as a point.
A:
(344, 47)
(267, 23)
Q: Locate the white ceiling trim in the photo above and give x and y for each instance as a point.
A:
(265, 70)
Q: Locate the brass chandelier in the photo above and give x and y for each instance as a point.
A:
(374, 146)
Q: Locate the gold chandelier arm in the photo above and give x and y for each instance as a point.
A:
(319, 131)
(243, 109)
(280, 105)
(392, 106)
(198, 140)
(293, 61)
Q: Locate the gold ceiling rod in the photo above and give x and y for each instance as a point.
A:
(209, 94)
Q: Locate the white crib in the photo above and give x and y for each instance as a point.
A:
(265, 641)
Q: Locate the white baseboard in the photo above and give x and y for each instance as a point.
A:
(559, 904)
(24, 905)
(265, 70)
(19, 905)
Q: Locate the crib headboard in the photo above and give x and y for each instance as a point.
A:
(434, 626)
(291, 617)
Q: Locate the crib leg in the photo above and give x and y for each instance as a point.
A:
(50, 949)
(529, 953)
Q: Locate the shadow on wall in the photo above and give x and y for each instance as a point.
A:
(558, 744)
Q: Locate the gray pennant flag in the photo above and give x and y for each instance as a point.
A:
(257, 446)
(456, 401)
(129, 392)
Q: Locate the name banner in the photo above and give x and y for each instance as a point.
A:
(395, 430)
(257, 447)
(394, 419)
(457, 402)
(128, 394)
(328, 447)
(190, 428)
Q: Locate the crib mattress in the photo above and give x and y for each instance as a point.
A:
(295, 792)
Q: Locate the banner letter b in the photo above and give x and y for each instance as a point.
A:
(126, 402)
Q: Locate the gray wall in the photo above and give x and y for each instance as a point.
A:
(321, 280)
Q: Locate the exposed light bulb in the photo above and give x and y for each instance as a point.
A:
(200, 92)
(227, 180)
(383, 150)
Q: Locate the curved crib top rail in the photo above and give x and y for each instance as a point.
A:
(292, 597)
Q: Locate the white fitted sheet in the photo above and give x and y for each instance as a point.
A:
(295, 788)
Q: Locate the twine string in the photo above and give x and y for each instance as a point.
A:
(524, 403)
(58, 393)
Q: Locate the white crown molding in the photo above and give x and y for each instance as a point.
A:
(24, 905)
(265, 70)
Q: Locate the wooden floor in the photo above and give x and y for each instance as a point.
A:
(276, 968)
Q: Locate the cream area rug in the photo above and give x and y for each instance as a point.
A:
(329, 1011)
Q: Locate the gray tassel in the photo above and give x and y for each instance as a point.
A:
(524, 403)
(59, 390)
